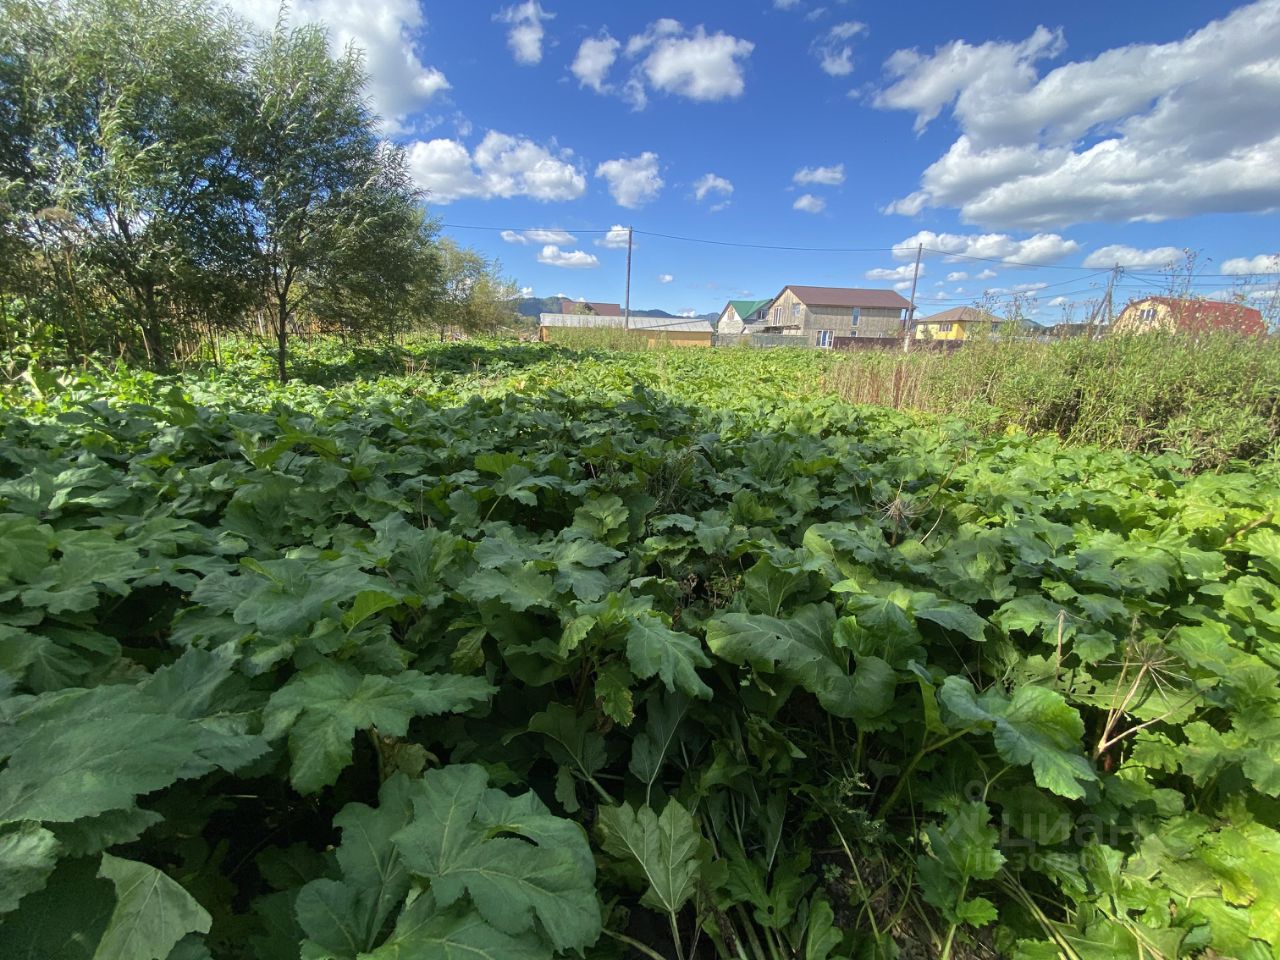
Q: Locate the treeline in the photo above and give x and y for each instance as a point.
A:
(169, 174)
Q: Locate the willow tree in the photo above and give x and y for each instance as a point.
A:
(132, 193)
(471, 295)
(334, 215)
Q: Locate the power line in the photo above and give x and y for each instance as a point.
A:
(947, 254)
(767, 246)
(472, 226)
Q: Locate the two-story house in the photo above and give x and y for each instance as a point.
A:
(824, 316)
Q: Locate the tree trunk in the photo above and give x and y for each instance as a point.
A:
(152, 334)
(282, 335)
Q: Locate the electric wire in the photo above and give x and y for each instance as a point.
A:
(898, 250)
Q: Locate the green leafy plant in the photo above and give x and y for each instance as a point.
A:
(489, 663)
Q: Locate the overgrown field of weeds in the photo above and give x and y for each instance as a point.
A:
(506, 654)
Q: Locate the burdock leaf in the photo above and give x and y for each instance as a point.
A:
(461, 841)
(654, 648)
(665, 848)
(802, 650)
(322, 707)
(152, 912)
(28, 854)
(1036, 726)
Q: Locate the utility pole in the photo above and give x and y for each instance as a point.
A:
(1106, 302)
(911, 310)
(626, 316)
(1111, 288)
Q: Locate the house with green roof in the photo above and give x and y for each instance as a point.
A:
(738, 314)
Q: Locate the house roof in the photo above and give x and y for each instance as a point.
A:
(599, 309)
(962, 315)
(848, 297)
(1199, 316)
(746, 308)
(643, 324)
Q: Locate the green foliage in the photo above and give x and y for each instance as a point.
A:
(1205, 398)
(169, 174)
(495, 661)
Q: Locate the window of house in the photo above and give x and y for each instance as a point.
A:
(1147, 313)
(944, 328)
(795, 311)
(857, 315)
(825, 338)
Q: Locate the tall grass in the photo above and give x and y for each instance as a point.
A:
(1211, 399)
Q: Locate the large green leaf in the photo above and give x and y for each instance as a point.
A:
(80, 753)
(962, 850)
(654, 648)
(425, 932)
(544, 881)
(651, 746)
(152, 913)
(64, 920)
(323, 706)
(1036, 726)
(347, 917)
(802, 650)
(570, 737)
(28, 854)
(664, 847)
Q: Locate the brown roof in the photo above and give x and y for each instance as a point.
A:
(599, 309)
(848, 297)
(1199, 316)
(961, 315)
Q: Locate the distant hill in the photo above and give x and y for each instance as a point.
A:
(532, 306)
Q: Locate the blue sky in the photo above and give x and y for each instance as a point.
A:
(1072, 135)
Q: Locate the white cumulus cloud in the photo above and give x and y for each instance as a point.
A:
(808, 203)
(502, 166)
(526, 33)
(539, 236)
(834, 49)
(987, 275)
(668, 58)
(553, 256)
(1125, 256)
(709, 184)
(903, 272)
(1142, 132)
(386, 30)
(1262, 263)
(1041, 248)
(596, 56)
(615, 239)
(633, 181)
(825, 176)
(665, 278)
(957, 275)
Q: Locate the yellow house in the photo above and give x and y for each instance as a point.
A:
(1181, 315)
(958, 323)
